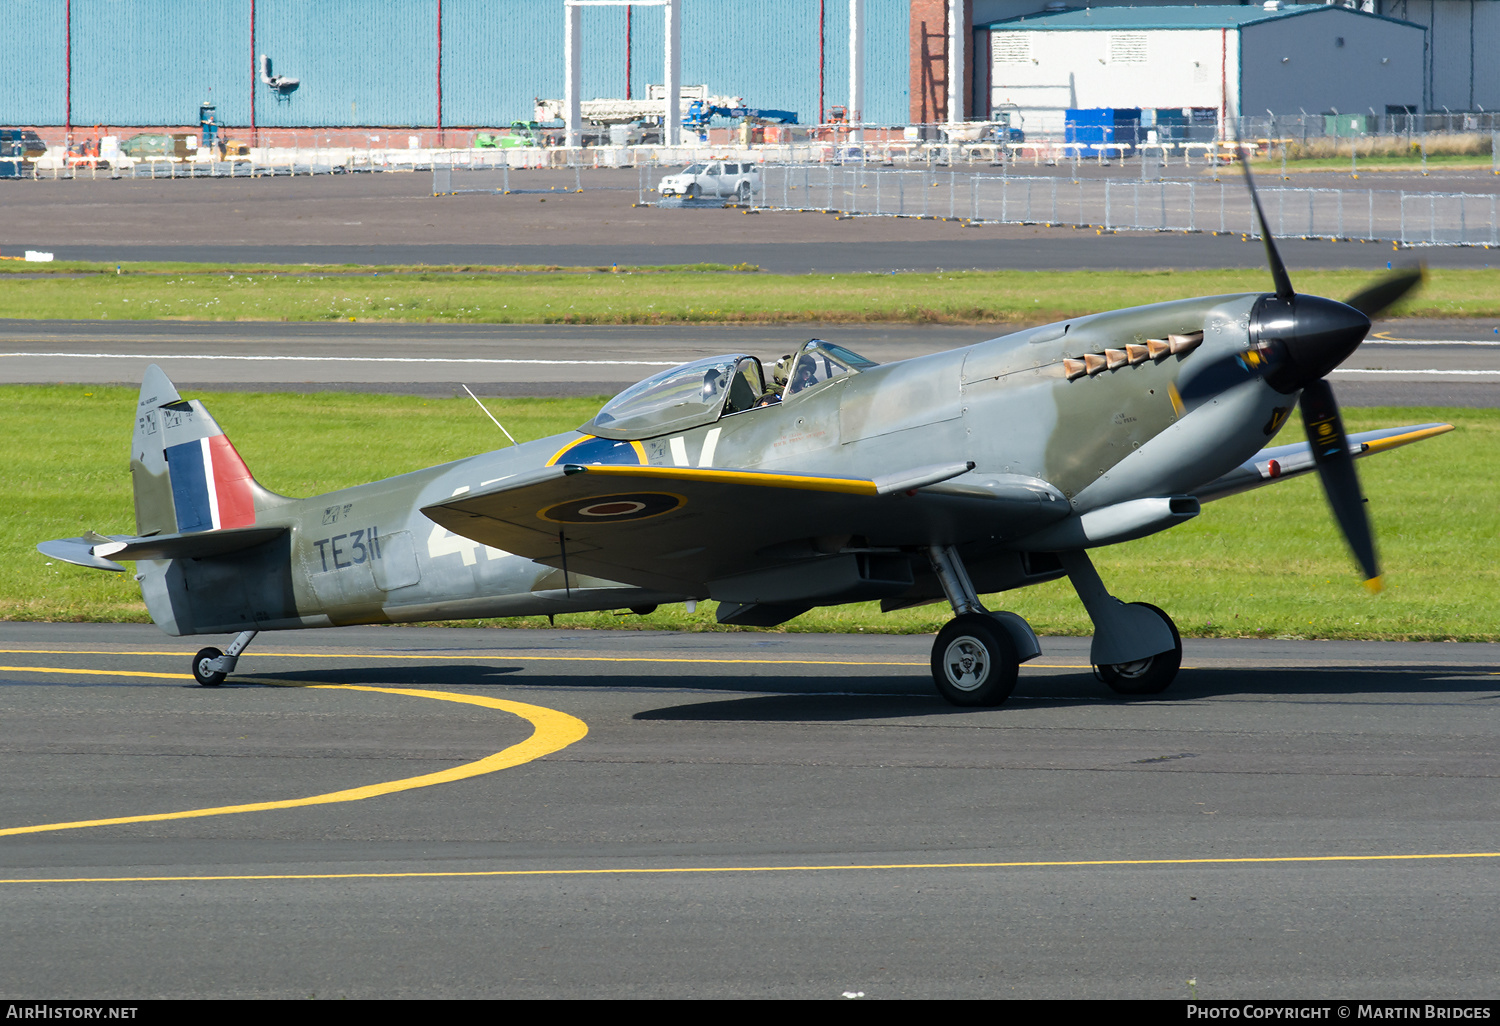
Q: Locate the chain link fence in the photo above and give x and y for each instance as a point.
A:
(1411, 218)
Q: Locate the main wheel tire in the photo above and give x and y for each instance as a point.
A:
(1149, 676)
(691, 192)
(974, 661)
(744, 192)
(203, 673)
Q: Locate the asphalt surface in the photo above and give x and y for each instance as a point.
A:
(393, 218)
(1039, 845)
(1406, 363)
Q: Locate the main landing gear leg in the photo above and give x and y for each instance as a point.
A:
(1136, 650)
(210, 666)
(977, 655)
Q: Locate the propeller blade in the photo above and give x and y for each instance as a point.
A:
(1283, 281)
(1330, 449)
(1373, 299)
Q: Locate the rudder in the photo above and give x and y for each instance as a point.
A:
(185, 473)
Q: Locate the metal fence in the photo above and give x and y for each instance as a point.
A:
(458, 179)
(1412, 218)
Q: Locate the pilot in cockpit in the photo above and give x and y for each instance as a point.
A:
(778, 381)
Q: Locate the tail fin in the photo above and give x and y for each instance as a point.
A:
(187, 476)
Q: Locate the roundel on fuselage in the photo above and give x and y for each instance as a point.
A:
(601, 451)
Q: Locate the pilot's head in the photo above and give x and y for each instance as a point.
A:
(782, 370)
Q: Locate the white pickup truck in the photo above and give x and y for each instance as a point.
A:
(717, 178)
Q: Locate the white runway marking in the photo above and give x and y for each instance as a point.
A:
(1421, 373)
(346, 359)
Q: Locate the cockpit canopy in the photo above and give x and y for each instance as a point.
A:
(717, 386)
(821, 361)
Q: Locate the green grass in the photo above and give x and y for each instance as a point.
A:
(161, 268)
(1374, 165)
(1403, 164)
(1266, 564)
(674, 295)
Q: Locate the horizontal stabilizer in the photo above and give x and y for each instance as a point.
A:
(101, 552)
(81, 551)
(1283, 461)
(197, 545)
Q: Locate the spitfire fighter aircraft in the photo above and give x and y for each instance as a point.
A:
(979, 470)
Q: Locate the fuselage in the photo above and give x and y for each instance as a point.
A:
(1015, 406)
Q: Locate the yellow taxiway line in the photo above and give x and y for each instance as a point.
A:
(850, 868)
(554, 731)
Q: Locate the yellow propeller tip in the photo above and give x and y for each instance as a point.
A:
(1375, 584)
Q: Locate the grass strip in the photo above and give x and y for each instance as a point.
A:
(86, 268)
(674, 296)
(1402, 165)
(1269, 563)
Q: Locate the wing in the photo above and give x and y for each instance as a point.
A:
(1285, 461)
(678, 528)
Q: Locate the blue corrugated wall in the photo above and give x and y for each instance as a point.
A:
(374, 62)
(153, 62)
(35, 87)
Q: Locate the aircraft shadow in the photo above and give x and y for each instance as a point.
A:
(1397, 685)
(836, 697)
(413, 675)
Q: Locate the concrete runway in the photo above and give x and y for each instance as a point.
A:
(1032, 850)
(1406, 363)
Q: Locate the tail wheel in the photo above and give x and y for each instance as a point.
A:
(974, 661)
(203, 668)
(1149, 676)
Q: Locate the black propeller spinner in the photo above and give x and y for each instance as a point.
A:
(1311, 336)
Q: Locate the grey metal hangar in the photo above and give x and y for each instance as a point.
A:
(1218, 62)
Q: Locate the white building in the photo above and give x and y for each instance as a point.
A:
(1232, 60)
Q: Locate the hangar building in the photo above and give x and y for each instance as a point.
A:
(1226, 59)
(482, 63)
